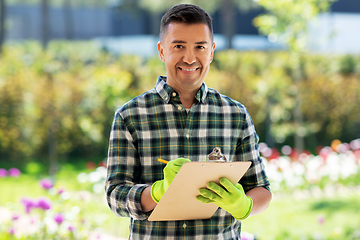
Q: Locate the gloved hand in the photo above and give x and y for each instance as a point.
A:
(171, 169)
(230, 197)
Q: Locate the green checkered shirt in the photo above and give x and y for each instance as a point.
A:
(156, 125)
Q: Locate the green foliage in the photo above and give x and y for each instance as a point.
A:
(263, 82)
(74, 89)
(33, 168)
(287, 21)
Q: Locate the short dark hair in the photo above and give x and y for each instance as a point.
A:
(186, 13)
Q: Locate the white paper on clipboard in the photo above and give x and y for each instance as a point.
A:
(179, 201)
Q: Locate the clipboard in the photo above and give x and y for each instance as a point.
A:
(179, 201)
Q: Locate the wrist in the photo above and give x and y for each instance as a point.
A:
(244, 210)
(147, 202)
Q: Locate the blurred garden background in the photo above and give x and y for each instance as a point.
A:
(291, 63)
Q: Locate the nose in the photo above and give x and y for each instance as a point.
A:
(189, 56)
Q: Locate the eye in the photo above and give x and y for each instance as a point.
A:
(200, 47)
(179, 46)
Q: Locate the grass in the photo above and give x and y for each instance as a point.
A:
(290, 216)
(313, 218)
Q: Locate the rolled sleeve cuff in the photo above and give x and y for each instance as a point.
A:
(134, 202)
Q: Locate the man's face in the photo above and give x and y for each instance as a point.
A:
(187, 51)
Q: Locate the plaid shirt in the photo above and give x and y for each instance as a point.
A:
(156, 125)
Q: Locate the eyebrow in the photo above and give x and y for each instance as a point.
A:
(181, 41)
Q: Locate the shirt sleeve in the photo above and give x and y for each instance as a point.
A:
(248, 150)
(122, 187)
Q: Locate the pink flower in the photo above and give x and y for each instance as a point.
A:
(61, 190)
(11, 231)
(46, 183)
(14, 172)
(71, 228)
(3, 172)
(44, 203)
(59, 218)
(321, 219)
(28, 204)
(15, 216)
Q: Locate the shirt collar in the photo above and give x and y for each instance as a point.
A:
(165, 90)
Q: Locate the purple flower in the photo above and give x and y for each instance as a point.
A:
(46, 183)
(60, 191)
(71, 228)
(44, 203)
(28, 204)
(15, 216)
(3, 172)
(11, 231)
(14, 172)
(59, 218)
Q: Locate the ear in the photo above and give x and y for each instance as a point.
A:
(161, 51)
(212, 52)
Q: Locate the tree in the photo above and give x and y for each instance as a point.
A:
(2, 23)
(287, 22)
(68, 19)
(228, 16)
(45, 33)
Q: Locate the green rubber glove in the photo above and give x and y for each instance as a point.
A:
(171, 169)
(230, 197)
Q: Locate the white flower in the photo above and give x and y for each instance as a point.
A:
(82, 178)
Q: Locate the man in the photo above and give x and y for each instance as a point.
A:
(182, 120)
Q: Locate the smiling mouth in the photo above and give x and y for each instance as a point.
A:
(189, 69)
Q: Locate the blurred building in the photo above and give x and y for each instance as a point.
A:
(131, 31)
(339, 30)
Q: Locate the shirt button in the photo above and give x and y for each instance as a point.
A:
(174, 94)
(180, 108)
(184, 225)
(187, 136)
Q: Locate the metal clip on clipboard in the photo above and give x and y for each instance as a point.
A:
(216, 156)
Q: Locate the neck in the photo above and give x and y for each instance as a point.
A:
(187, 93)
(187, 99)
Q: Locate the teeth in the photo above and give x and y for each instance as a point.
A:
(189, 70)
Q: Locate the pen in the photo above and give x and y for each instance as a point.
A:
(163, 161)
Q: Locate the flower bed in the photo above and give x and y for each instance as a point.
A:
(56, 214)
(291, 170)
